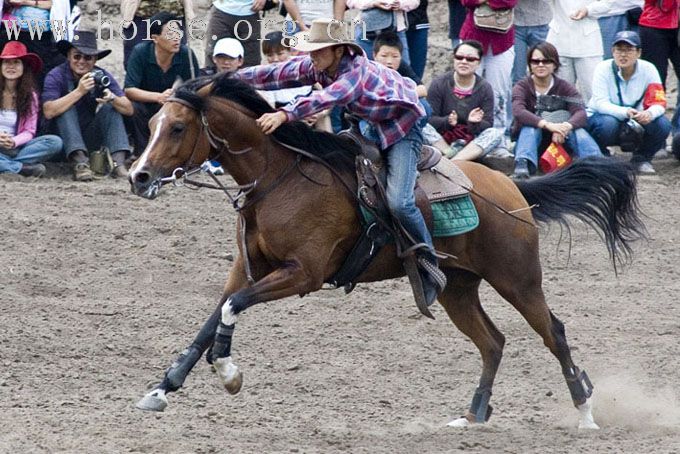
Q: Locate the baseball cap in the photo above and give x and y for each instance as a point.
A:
(628, 37)
(228, 46)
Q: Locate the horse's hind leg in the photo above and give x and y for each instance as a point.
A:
(528, 298)
(461, 301)
(178, 371)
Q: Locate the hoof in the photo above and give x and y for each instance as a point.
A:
(153, 401)
(460, 422)
(230, 376)
(586, 420)
(588, 425)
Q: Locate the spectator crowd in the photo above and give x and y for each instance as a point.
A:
(575, 75)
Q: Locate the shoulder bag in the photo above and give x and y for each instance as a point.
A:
(493, 20)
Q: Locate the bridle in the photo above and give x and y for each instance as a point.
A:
(218, 145)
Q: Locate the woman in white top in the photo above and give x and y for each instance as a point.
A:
(578, 42)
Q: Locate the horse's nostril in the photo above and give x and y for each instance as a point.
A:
(141, 177)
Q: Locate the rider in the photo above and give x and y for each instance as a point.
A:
(370, 91)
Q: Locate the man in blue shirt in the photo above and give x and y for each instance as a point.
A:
(85, 114)
(152, 70)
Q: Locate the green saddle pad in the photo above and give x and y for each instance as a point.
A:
(450, 217)
(454, 216)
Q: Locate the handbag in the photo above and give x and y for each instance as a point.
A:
(554, 108)
(101, 162)
(376, 21)
(493, 20)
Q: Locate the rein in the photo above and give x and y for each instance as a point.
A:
(240, 200)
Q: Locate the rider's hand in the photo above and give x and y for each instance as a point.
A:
(269, 122)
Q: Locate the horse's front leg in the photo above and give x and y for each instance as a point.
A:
(175, 375)
(290, 279)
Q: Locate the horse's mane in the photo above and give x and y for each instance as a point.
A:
(336, 151)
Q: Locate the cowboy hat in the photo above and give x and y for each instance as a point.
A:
(85, 42)
(324, 33)
(15, 49)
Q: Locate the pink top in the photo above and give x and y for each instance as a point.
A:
(27, 125)
(498, 42)
(462, 93)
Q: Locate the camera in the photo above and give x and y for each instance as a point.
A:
(101, 81)
(631, 135)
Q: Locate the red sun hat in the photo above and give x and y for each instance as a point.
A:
(15, 49)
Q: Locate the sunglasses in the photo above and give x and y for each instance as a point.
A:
(78, 57)
(541, 61)
(466, 58)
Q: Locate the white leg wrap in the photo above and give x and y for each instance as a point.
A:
(228, 316)
(230, 376)
(459, 422)
(586, 420)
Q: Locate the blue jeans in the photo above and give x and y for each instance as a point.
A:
(579, 142)
(417, 49)
(36, 150)
(402, 159)
(105, 128)
(367, 44)
(605, 131)
(609, 27)
(525, 37)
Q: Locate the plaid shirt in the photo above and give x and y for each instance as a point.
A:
(367, 89)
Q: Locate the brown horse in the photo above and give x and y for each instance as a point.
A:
(299, 220)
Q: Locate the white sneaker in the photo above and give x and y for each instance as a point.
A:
(646, 168)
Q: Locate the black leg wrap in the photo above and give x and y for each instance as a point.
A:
(480, 407)
(579, 385)
(178, 371)
(222, 346)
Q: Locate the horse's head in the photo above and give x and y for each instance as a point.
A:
(177, 141)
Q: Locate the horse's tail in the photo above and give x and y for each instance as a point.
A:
(600, 192)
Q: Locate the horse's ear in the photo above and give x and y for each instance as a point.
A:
(177, 83)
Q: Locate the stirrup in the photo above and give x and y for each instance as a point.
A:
(438, 277)
(410, 264)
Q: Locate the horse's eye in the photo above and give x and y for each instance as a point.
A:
(177, 128)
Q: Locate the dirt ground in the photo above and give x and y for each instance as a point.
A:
(102, 289)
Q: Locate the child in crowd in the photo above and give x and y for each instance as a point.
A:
(276, 49)
(20, 151)
(388, 50)
(228, 56)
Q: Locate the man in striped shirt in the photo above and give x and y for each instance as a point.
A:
(370, 91)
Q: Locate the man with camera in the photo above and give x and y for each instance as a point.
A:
(628, 104)
(153, 69)
(85, 105)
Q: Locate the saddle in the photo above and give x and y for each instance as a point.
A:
(438, 180)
